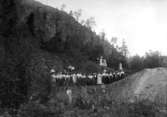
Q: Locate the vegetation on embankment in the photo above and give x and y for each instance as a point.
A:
(35, 38)
(91, 101)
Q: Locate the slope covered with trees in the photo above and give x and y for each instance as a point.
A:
(35, 38)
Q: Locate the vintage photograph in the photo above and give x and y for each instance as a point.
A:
(83, 58)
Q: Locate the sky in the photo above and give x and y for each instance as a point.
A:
(141, 23)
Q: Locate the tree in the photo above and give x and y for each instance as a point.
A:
(135, 63)
(124, 48)
(71, 13)
(77, 14)
(115, 59)
(152, 59)
(63, 6)
(102, 35)
(114, 41)
(82, 22)
(90, 22)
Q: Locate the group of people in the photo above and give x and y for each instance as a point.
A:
(66, 79)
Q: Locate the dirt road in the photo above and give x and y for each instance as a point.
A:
(152, 85)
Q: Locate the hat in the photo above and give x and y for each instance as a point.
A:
(52, 71)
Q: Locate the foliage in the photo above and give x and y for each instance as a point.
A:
(31, 35)
(115, 58)
(136, 63)
(33, 109)
(93, 102)
(77, 40)
(151, 59)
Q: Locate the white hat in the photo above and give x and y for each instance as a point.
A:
(52, 71)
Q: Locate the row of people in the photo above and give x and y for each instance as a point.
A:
(83, 79)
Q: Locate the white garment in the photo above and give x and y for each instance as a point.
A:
(99, 79)
(69, 94)
(53, 76)
(74, 78)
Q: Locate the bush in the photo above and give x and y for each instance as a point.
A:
(142, 109)
(36, 110)
(82, 103)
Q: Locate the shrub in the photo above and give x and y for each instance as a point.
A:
(35, 110)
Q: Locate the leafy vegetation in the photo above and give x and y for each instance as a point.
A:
(35, 38)
(151, 59)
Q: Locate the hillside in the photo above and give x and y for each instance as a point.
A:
(35, 38)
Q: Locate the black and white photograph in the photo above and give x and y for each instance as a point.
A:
(83, 58)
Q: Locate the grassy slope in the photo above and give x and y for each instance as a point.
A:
(114, 99)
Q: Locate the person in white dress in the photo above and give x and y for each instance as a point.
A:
(99, 79)
(69, 94)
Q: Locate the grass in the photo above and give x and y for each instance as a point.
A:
(94, 101)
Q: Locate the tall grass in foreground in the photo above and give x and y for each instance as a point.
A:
(89, 102)
(83, 108)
